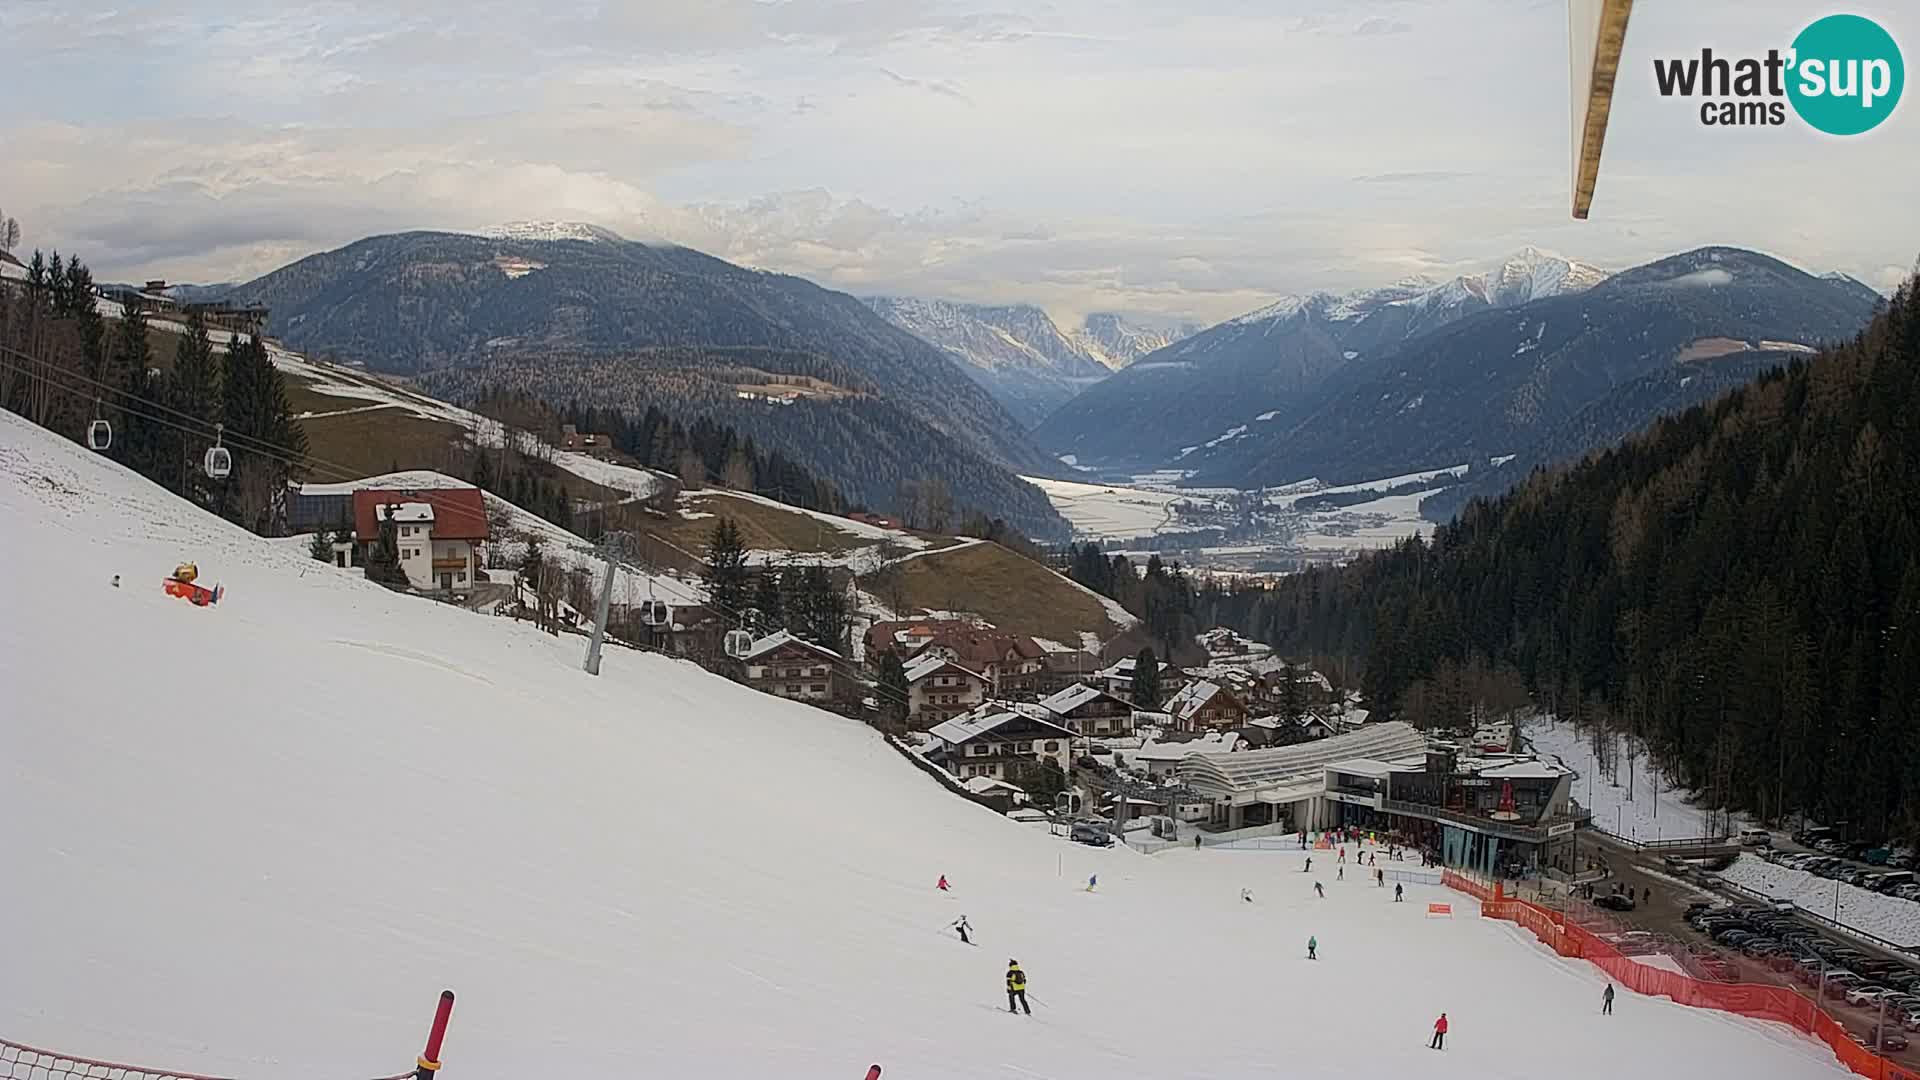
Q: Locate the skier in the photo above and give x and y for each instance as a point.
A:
(1092, 880)
(116, 581)
(1343, 853)
(1646, 896)
(1340, 874)
(1373, 859)
(1313, 948)
(1380, 879)
(1321, 891)
(942, 886)
(1308, 869)
(1606, 1001)
(964, 928)
(1247, 895)
(1017, 988)
(1196, 841)
(1397, 890)
(1439, 1033)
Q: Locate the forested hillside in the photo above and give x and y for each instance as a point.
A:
(1739, 585)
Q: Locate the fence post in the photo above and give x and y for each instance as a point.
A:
(429, 1062)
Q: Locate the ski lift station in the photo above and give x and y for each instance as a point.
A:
(1484, 813)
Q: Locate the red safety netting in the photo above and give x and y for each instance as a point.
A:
(21, 1062)
(1776, 1003)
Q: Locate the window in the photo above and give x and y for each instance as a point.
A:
(976, 750)
(1024, 748)
(1053, 747)
(460, 575)
(819, 688)
(793, 688)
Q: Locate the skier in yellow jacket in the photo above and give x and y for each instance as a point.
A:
(1017, 988)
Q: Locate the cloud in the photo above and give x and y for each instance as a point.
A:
(1378, 25)
(1184, 158)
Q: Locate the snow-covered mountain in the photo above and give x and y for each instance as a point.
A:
(1275, 359)
(1015, 351)
(1116, 341)
(549, 231)
(352, 799)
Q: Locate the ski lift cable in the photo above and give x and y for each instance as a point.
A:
(287, 456)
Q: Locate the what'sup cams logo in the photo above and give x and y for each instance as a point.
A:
(1842, 76)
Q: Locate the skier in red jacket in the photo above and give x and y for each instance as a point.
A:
(1439, 1033)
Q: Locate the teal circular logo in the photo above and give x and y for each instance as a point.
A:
(1846, 75)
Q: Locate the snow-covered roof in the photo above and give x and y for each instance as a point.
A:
(984, 722)
(1362, 767)
(1254, 769)
(1526, 770)
(980, 785)
(1217, 742)
(406, 513)
(926, 664)
(1071, 698)
(778, 638)
(1192, 698)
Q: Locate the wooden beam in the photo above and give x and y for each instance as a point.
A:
(1597, 32)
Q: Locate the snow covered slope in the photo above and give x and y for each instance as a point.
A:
(257, 840)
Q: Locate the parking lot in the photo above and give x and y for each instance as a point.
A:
(1725, 938)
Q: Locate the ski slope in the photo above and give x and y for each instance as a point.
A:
(257, 840)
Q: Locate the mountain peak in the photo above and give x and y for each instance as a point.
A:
(550, 231)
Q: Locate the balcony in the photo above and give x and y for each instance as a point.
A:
(449, 566)
(1536, 833)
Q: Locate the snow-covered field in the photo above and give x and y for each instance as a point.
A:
(1110, 510)
(1649, 815)
(258, 839)
(1886, 917)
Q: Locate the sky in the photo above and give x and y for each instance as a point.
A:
(1175, 159)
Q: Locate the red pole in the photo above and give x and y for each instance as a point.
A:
(430, 1060)
(873, 1073)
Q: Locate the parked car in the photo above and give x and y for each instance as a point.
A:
(1867, 994)
(1839, 984)
(1755, 838)
(1089, 833)
(1614, 902)
(1889, 1039)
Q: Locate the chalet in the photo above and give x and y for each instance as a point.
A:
(789, 667)
(1061, 668)
(1203, 705)
(998, 742)
(1117, 679)
(1012, 663)
(938, 688)
(438, 531)
(1088, 710)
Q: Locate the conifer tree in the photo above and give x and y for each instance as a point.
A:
(1146, 680)
(769, 607)
(726, 575)
(193, 391)
(893, 690)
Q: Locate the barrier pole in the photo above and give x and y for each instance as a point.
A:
(429, 1062)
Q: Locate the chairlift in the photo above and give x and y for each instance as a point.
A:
(738, 643)
(654, 613)
(219, 460)
(99, 435)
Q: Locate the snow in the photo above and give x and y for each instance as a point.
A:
(1268, 415)
(1379, 523)
(1501, 460)
(386, 796)
(1887, 917)
(1280, 310)
(1107, 510)
(547, 231)
(1667, 814)
(1661, 961)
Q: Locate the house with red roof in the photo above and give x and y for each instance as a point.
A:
(438, 532)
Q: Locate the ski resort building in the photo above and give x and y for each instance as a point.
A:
(998, 742)
(439, 532)
(1288, 784)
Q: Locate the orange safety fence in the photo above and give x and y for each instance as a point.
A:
(21, 1062)
(1775, 1003)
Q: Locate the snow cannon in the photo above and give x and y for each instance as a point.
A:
(184, 583)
